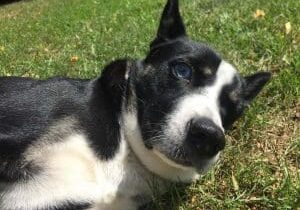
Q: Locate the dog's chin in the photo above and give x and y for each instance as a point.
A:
(201, 165)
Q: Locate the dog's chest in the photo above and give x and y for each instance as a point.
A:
(72, 172)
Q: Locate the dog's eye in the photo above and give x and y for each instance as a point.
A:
(182, 71)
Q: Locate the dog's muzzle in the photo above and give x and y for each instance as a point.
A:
(204, 138)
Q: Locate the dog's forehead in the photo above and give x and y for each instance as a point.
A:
(225, 81)
(183, 48)
(199, 56)
(210, 71)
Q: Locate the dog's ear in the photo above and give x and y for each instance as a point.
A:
(113, 75)
(113, 79)
(254, 85)
(171, 25)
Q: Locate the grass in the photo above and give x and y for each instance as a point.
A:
(260, 168)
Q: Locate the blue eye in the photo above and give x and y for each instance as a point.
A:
(182, 71)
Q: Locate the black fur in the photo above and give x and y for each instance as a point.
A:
(231, 109)
(157, 90)
(68, 205)
(28, 108)
(171, 25)
(254, 84)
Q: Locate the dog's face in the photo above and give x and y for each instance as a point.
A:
(187, 96)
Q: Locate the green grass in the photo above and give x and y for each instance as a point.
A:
(260, 168)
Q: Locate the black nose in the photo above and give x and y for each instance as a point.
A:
(205, 138)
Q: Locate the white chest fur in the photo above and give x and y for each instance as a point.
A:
(72, 172)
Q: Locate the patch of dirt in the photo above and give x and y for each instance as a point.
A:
(279, 143)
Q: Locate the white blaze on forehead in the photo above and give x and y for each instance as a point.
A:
(201, 103)
(224, 76)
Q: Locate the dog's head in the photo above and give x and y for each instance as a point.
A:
(180, 100)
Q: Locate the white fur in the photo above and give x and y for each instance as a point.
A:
(155, 163)
(71, 171)
(201, 103)
(68, 173)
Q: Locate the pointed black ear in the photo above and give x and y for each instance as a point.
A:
(171, 25)
(113, 79)
(113, 75)
(254, 85)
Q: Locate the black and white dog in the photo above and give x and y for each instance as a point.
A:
(99, 144)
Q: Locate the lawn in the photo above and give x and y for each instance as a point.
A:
(260, 167)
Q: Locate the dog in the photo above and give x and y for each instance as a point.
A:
(101, 144)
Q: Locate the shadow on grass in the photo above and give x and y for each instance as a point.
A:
(5, 2)
(175, 196)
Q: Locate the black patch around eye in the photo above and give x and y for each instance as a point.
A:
(201, 79)
(231, 104)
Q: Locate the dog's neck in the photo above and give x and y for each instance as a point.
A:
(155, 163)
(152, 162)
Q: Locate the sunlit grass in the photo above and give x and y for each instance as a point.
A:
(260, 166)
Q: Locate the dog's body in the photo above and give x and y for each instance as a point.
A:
(60, 152)
(107, 143)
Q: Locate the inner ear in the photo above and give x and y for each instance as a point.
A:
(254, 85)
(171, 25)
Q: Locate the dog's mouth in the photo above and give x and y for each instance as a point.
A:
(176, 156)
(181, 158)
